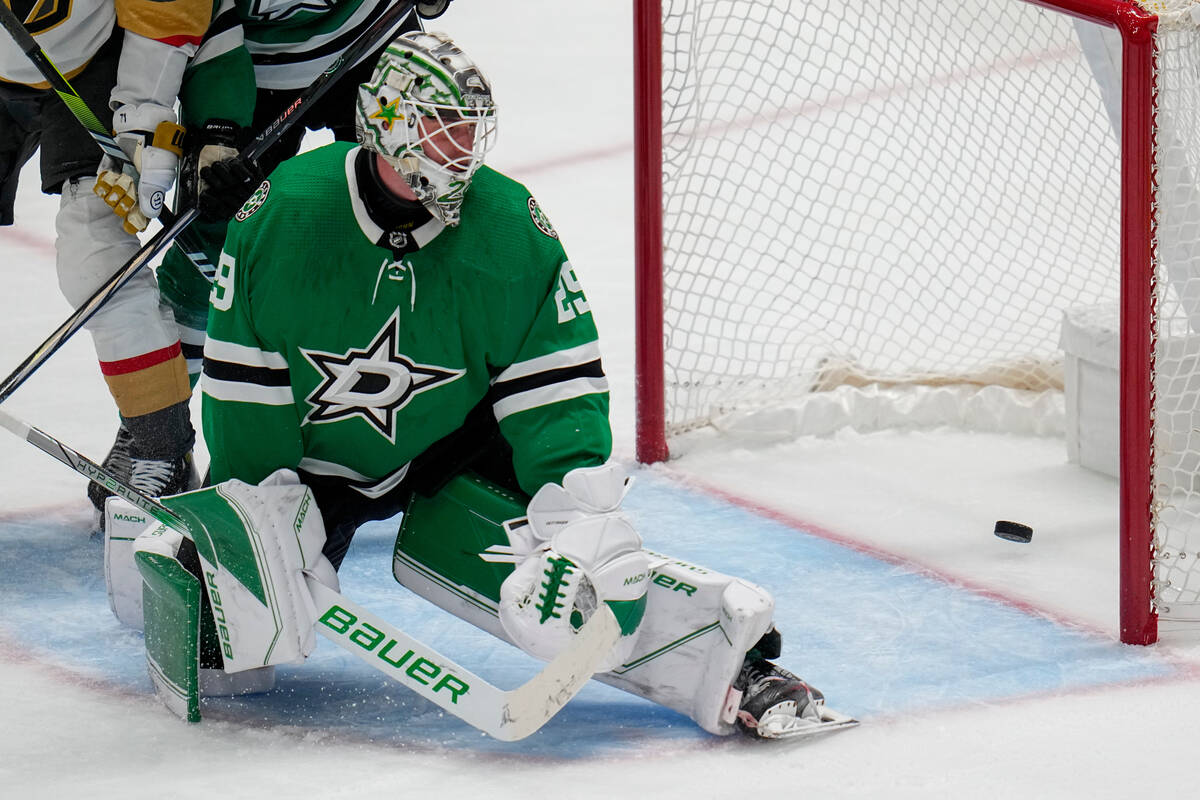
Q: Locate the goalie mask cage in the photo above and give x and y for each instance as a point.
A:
(881, 197)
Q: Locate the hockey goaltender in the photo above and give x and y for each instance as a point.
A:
(381, 340)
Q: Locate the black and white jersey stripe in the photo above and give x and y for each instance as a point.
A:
(244, 374)
(553, 378)
(282, 63)
(191, 342)
(223, 35)
(368, 487)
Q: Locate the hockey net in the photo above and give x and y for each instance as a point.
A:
(862, 213)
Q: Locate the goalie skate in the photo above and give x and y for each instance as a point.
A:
(775, 704)
(789, 726)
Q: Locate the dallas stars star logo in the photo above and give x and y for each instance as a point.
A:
(373, 383)
(388, 113)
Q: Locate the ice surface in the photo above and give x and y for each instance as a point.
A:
(980, 668)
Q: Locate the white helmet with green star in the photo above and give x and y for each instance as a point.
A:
(428, 111)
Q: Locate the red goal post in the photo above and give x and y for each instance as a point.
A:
(694, 244)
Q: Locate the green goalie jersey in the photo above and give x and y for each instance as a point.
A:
(328, 354)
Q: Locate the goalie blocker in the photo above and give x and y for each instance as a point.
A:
(220, 609)
(239, 607)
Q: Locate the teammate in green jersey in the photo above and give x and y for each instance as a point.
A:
(397, 327)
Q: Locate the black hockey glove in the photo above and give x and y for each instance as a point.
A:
(430, 9)
(212, 175)
(226, 185)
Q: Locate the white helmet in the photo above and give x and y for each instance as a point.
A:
(428, 111)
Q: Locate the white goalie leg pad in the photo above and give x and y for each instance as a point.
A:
(91, 247)
(171, 683)
(219, 683)
(692, 641)
(698, 627)
(123, 523)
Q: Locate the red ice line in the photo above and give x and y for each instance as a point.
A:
(874, 551)
(25, 238)
(937, 573)
(1181, 670)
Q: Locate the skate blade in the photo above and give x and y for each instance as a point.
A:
(789, 727)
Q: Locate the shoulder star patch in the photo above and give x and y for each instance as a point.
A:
(254, 202)
(541, 220)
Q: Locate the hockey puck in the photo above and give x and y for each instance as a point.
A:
(1014, 531)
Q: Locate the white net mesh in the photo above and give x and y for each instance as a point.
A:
(1177, 298)
(898, 192)
(864, 194)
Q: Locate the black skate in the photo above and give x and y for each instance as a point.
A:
(778, 705)
(119, 462)
(153, 478)
(156, 478)
(152, 453)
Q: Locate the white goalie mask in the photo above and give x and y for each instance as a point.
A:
(428, 111)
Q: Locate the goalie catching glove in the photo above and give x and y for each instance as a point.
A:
(579, 551)
(149, 135)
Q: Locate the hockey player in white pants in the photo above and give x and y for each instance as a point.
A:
(126, 59)
(396, 327)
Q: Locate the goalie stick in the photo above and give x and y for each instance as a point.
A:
(507, 715)
(371, 38)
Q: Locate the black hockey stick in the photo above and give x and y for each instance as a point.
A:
(507, 715)
(367, 41)
(87, 118)
(371, 38)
